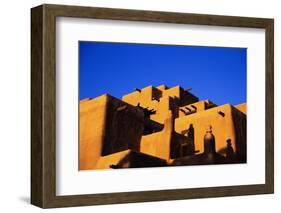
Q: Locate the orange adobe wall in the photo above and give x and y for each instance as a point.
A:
(159, 126)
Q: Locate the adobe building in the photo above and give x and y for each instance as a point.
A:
(159, 126)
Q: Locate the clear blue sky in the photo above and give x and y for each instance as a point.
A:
(214, 73)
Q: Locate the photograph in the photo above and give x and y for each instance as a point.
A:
(141, 105)
(159, 105)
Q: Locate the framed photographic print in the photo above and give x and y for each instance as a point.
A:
(135, 106)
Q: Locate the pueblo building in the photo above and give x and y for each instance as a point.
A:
(159, 126)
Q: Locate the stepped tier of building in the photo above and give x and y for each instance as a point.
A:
(159, 126)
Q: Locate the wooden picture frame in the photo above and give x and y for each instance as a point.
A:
(43, 105)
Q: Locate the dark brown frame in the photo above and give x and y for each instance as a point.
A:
(43, 105)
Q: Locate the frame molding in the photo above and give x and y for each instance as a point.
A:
(43, 105)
